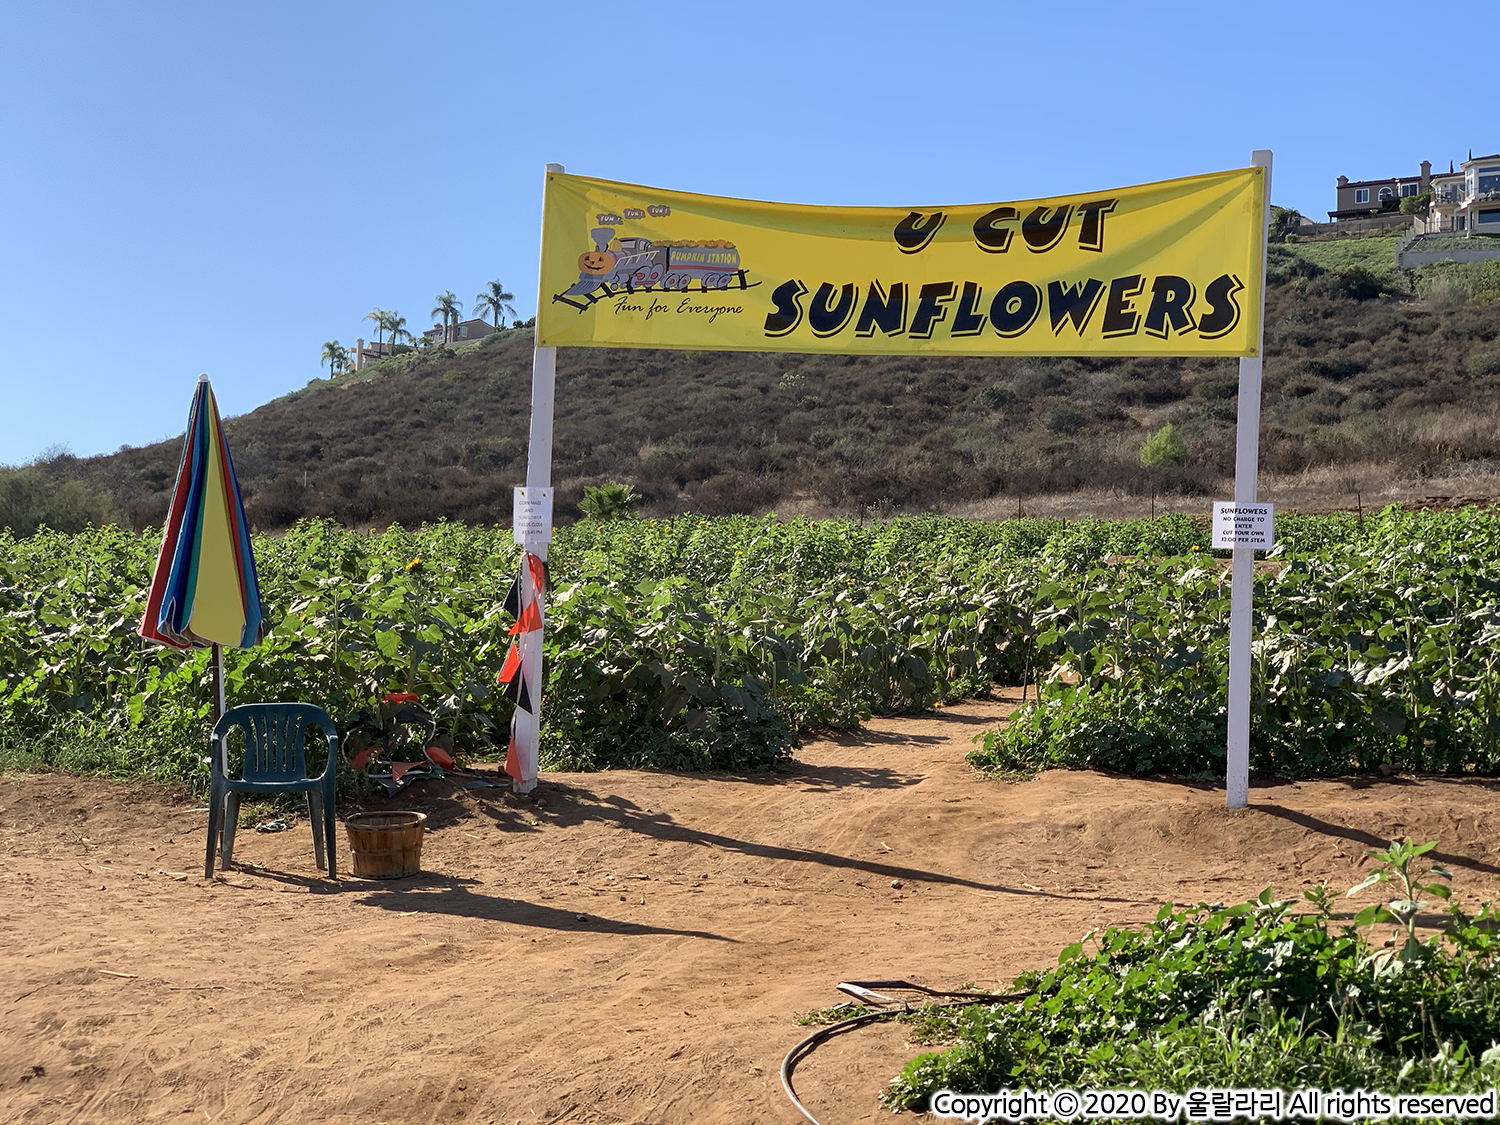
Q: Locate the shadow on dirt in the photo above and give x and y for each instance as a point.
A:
(456, 898)
(428, 892)
(565, 805)
(1368, 839)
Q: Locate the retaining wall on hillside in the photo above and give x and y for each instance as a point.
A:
(1411, 259)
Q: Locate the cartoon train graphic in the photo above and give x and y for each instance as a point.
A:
(640, 263)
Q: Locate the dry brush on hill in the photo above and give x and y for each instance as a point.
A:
(1363, 367)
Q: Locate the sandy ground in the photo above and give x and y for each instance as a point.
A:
(631, 947)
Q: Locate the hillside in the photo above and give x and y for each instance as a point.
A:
(1366, 370)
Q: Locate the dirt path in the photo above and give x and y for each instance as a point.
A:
(633, 947)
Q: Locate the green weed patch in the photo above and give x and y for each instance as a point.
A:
(1254, 995)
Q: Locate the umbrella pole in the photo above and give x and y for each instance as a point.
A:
(218, 683)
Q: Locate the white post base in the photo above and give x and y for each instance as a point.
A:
(1241, 598)
(528, 724)
(527, 728)
(1237, 765)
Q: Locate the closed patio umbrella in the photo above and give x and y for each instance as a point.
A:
(204, 591)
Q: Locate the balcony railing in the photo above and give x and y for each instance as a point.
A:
(1437, 225)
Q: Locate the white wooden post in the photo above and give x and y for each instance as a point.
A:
(1246, 469)
(528, 725)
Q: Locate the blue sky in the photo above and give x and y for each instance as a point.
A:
(221, 188)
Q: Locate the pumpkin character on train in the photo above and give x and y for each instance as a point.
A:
(640, 263)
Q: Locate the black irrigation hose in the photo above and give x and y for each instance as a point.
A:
(805, 1048)
(808, 1045)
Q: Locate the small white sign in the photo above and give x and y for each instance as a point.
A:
(1244, 525)
(531, 515)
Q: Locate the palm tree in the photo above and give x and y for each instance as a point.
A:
(496, 301)
(1284, 221)
(395, 324)
(336, 356)
(610, 501)
(378, 317)
(448, 308)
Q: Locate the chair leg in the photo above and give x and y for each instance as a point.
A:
(315, 815)
(329, 826)
(231, 822)
(215, 821)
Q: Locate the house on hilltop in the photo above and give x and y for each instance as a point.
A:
(364, 353)
(1364, 199)
(1464, 208)
(464, 332)
(1466, 201)
(1463, 200)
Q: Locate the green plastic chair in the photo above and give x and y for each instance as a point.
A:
(274, 762)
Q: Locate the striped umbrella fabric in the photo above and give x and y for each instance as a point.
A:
(204, 591)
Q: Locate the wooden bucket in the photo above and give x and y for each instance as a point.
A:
(386, 845)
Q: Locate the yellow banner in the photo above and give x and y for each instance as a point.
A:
(1172, 268)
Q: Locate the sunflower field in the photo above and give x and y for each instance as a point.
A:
(696, 643)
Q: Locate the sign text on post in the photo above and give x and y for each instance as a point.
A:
(531, 515)
(1244, 525)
